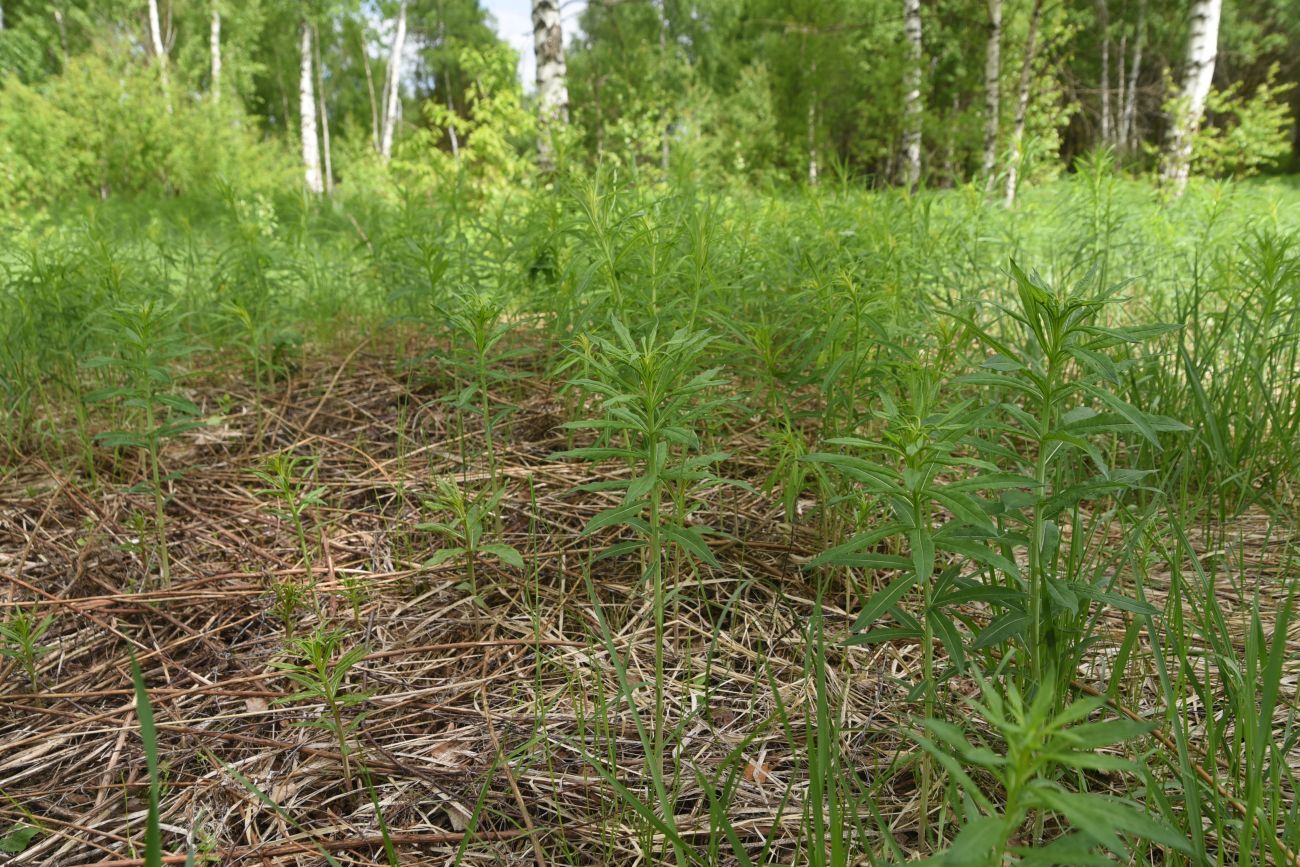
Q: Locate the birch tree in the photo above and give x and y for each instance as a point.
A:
(394, 83)
(992, 92)
(1202, 50)
(1103, 24)
(1022, 103)
(1128, 113)
(552, 91)
(214, 49)
(913, 107)
(324, 117)
(159, 50)
(370, 90)
(307, 115)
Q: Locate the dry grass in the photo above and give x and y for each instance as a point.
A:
(495, 711)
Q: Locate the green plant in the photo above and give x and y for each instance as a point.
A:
(148, 343)
(654, 402)
(1062, 372)
(357, 591)
(1039, 744)
(478, 324)
(463, 527)
(289, 479)
(153, 852)
(21, 634)
(288, 598)
(319, 667)
(921, 445)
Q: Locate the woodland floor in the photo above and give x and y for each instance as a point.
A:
(494, 710)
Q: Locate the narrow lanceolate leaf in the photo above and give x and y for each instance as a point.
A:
(505, 554)
(1002, 629)
(691, 540)
(149, 735)
(883, 600)
(1134, 416)
(615, 516)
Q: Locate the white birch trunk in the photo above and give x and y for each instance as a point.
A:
(214, 49)
(1202, 50)
(159, 50)
(370, 89)
(1022, 104)
(552, 90)
(328, 170)
(307, 112)
(1128, 116)
(992, 92)
(913, 109)
(1103, 23)
(393, 96)
(548, 48)
(812, 141)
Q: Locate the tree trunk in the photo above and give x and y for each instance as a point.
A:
(1121, 78)
(1202, 49)
(1103, 24)
(1128, 117)
(552, 92)
(370, 88)
(307, 111)
(61, 20)
(159, 50)
(812, 143)
(663, 60)
(913, 109)
(328, 171)
(394, 83)
(214, 49)
(992, 92)
(1022, 103)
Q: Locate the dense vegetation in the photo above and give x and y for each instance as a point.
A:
(604, 490)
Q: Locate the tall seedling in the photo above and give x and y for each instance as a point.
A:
(478, 324)
(1064, 380)
(149, 342)
(654, 398)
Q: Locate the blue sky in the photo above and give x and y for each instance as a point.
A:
(514, 19)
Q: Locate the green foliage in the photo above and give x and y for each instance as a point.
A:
(149, 343)
(494, 131)
(1038, 744)
(21, 634)
(463, 528)
(318, 666)
(289, 480)
(1246, 134)
(102, 128)
(153, 853)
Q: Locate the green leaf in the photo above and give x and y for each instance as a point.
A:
(1002, 629)
(609, 517)
(505, 554)
(883, 600)
(691, 540)
(443, 555)
(149, 735)
(18, 838)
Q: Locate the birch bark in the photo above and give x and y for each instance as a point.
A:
(307, 115)
(1202, 50)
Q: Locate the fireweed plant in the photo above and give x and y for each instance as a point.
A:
(149, 344)
(656, 398)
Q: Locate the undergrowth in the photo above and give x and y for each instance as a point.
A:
(830, 529)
